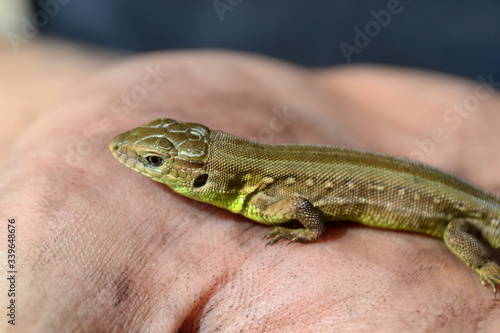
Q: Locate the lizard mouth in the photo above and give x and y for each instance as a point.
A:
(117, 149)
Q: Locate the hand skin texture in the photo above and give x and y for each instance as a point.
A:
(101, 248)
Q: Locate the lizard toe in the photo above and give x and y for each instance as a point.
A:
(490, 274)
(275, 235)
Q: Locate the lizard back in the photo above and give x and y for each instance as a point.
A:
(345, 184)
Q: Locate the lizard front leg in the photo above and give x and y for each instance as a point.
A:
(294, 208)
(460, 237)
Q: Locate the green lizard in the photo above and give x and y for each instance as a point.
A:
(277, 183)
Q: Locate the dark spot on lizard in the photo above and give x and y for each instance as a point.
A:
(200, 180)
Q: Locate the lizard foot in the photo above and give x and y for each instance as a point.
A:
(490, 273)
(301, 235)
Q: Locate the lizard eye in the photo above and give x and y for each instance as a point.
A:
(154, 160)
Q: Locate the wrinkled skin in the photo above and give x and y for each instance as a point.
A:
(102, 248)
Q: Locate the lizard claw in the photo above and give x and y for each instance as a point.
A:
(294, 235)
(490, 273)
(276, 234)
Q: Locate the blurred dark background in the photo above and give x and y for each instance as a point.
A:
(454, 36)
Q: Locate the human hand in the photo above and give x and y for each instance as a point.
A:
(103, 248)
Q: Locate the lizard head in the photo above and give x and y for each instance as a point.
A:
(167, 151)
